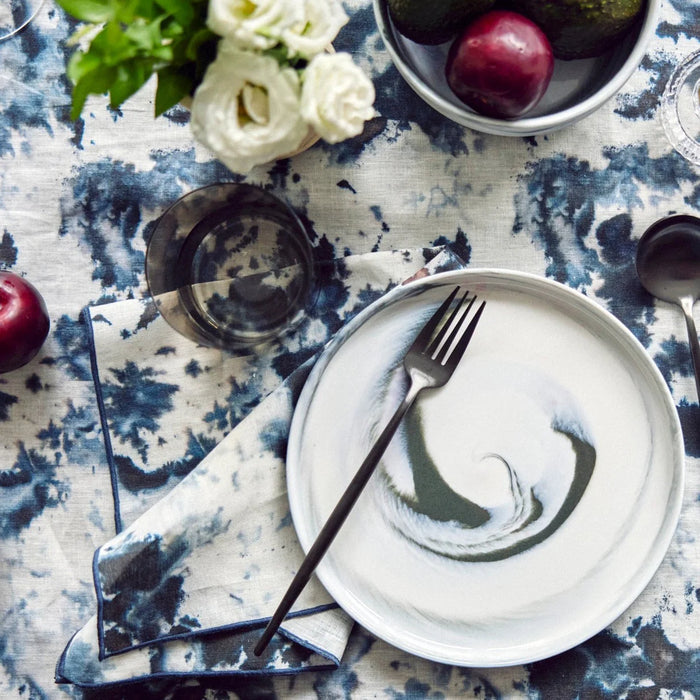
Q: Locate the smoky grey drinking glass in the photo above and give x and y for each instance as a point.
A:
(231, 266)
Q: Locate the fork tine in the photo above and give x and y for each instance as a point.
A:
(426, 333)
(461, 346)
(445, 327)
(456, 329)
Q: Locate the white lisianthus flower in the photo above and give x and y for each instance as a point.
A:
(315, 30)
(336, 97)
(246, 109)
(254, 24)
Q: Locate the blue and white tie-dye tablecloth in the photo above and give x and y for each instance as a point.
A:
(81, 468)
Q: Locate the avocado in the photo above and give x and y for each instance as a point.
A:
(581, 28)
(434, 21)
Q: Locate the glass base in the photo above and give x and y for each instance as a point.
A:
(680, 108)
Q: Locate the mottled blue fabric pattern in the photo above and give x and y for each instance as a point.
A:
(78, 468)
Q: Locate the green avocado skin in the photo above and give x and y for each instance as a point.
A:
(434, 21)
(581, 28)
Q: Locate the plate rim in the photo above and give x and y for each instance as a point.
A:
(633, 586)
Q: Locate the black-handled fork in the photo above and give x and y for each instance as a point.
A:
(429, 362)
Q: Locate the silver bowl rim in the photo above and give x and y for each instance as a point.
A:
(528, 126)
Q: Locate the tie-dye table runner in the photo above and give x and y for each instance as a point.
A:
(78, 202)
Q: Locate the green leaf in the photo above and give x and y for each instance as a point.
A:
(145, 8)
(279, 53)
(197, 41)
(96, 11)
(171, 29)
(173, 85)
(80, 64)
(129, 78)
(138, 38)
(163, 56)
(112, 45)
(97, 82)
(144, 35)
(129, 10)
(182, 10)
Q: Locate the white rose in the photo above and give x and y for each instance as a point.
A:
(336, 97)
(316, 29)
(246, 109)
(254, 24)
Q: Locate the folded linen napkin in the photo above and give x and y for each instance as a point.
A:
(188, 585)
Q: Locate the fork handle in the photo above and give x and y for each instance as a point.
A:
(341, 511)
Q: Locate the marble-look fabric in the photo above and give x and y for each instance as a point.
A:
(78, 201)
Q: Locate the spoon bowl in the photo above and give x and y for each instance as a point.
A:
(668, 266)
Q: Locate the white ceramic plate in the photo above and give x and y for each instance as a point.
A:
(522, 507)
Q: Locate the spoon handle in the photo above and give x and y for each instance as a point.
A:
(687, 306)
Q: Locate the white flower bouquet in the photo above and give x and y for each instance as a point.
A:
(261, 74)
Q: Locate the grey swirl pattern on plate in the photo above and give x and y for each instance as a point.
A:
(491, 497)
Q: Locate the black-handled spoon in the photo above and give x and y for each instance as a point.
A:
(668, 266)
